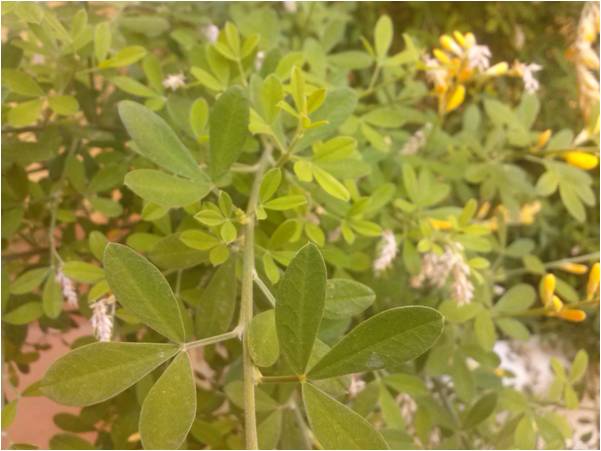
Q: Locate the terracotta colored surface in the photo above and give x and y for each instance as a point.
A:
(33, 423)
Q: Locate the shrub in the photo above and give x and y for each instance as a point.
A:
(325, 234)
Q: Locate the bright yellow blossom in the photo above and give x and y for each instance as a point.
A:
(455, 99)
(574, 268)
(440, 224)
(547, 289)
(448, 43)
(593, 282)
(441, 56)
(497, 70)
(529, 211)
(459, 38)
(574, 315)
(543, 138)
(582, 160)
(556, 304)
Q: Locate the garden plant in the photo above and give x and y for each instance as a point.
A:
(295, 226)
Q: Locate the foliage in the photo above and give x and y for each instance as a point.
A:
(260, 219)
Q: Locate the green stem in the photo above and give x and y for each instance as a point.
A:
(242, 74)
(246, 307)
(280, 379)
(264, 289)
(212, 340)
(553, 264)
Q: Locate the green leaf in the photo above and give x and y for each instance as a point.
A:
(218, 302)
(197, 239)
(206, 79)
(28, 281)
(383, 341)
(52, 297)
(525, 435)
(97, 242)
(166, 190)
(169, 408)
(517, 299)
(65, 440)
(262, 339)
(285, 202)
(133, 87)
(171, 253)
(485, 330)
(83, 272)
(96, 372)
(336, 426)
(64, 105)
(269, 430)
(228, 129)
(300, 302)
(271, 94)
(102, 40)
(346, 298)
(330, 185)
(572, 202)
(480, 411)
(25, 113)
(383, 36)
(199, 116)
(578, 366)
(124, 57)
(21, 83)
(270, 183)
(157, 141)
(24, 314)
(9, 412)
(142, 289)
(513, 328)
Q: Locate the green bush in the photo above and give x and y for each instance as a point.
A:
(301, 228)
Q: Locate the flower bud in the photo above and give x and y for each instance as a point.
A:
(460, 38)
(543, 138)
(593, 282)
(456, 98)
(557, 305)
(582, 160)
(497, 70)
(448, 43)
(441, 56)
(573, 315)
(547, 289)
(574, 268)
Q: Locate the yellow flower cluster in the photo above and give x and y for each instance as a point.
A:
(553, 304)
(526, 215)
(460, 60)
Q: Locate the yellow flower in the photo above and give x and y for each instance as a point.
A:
(593, 282)
(459, 38)
(440, 224)
(456, 98)
(543, 138)
(483, 210)
(448, 43)
(574, 268)
(574, 315)
(582, 160)
(547, 289)
(465, 74)
(528, 212)
(470, 40)
(441, 56)
(556, 304)
(497, 70)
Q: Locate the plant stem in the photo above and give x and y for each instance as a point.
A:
(553, 264)
(264, 289)
(279, 379)
(246, 306)
(212, 340)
